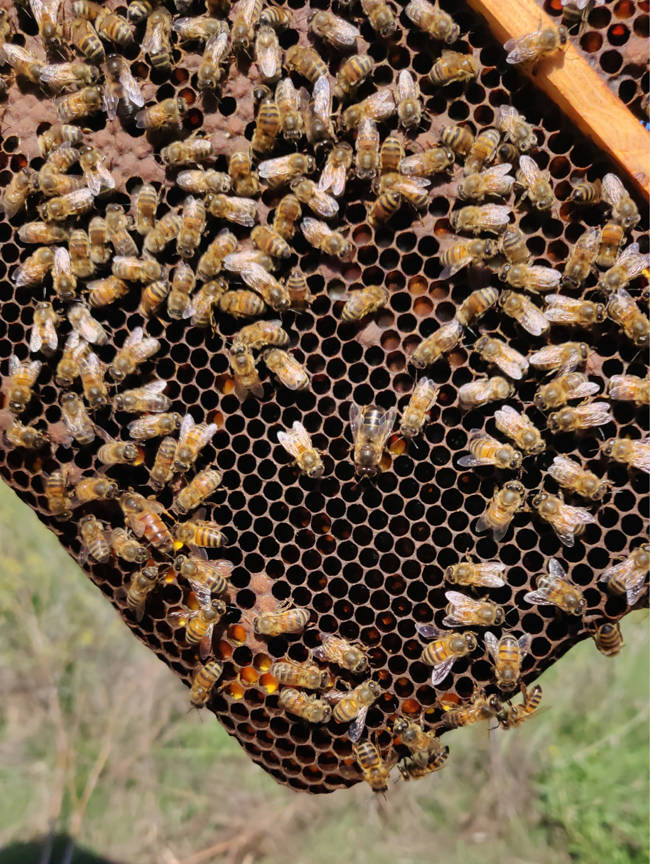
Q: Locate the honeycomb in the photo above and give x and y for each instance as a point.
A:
(366, 557)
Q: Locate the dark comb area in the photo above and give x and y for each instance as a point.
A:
(366, 557)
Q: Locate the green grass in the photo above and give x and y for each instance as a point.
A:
(86, 707)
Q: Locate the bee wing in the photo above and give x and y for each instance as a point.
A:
(322, 95)
(216, 48)
(130, 87)
(457, 265)
(441, 671)
(386, 425)
(355, 419)
(324, 204)
(563, 468)
(494, 216)
(244, 211)
(202, 593)
(521, 50)
(381, 104)
(536, 597)
(266, 51)
(590, 240)
(406, 88)
(549, 354)
(333, 178)
(428, 631)
(490, 574)
(533, 319)
(35, 339)
(313, 229)
(16, 54)
(612, 190)
(492, 644)
(524, 644)
(135, 336)
(512, 362)
(622, 569)
(498, 179)
(61, 263)
(569, 520)
(596, 414)
(460, 600)
(555, 569)
(529, 169)
(207, 434)
(187, 424)
(357, 725)
(269, 167)
(635, 588)
(470, 461)
(451, 621)
(508, 420)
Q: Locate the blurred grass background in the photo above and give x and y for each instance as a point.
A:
(96, 742)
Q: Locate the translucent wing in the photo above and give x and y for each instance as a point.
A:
(529, 169)
(355, 419)
(595, 414)
(532, 319)
(522, 50)
(524, 644)
(635, 589)
(296, 441)
(536, 597)
(584, 389)
(544, 278)
(134, 336)
(492, 644)
(216, 47)
(512, 362)
(406, 88)
(641, 458)
(612, 190)
(357, 726)
(494, 216)
(556, 569)
(130, 87)
(459, 599)
(489, 574)
(428, 631)
(324, 204)
(381, 104)
(386, 425)
(266, 52)
(441, 671)
(322, 96)
(16, 54)
(313, 229)
(154, 37)
(61, 263)
(463, 261)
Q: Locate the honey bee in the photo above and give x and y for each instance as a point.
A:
(52, 182)
(427, 163)
(446, 648)
(244, 370)
(79, 105)
(91, 370)
(535, 183)
(261, 333)
(610, 241)
(178, 300)
(139, 10)
(284, 169)
(443, 340)
(415, 413)
(24, 64)
(40, 233)
(26, 436)
(241, 211)
(412, 768)
(162, 115)
(411, 189)
(56, 493)
(340, 652)
(535, 278)
(318, 115)
(216, 51)
(86, 326)
(508, 653)
(297, 443)
(197, 491)
(153, 296)
(210, 262)
(56, 136)
(102, 292)
(81, 33)
(481, 391)
(352, 73)
(374, 770)
(623, 209)
(635, 453)
(391, 155)
(380, 16)
(462, 253)
(504, 504)
(367, 149)
(458, 139)
(306, 62)
(288, 371)
(554, 589)
(243, 179)
(267, 126)
(200, 182)
(192, 226)
(133, 269)
(93, 539)
(581, 259)
(156, 42)
(68, 76)
(629, 576)
(192, 438)
(370, 427)
(630, 388)
(476, 304)
(515, 128)
(288, 105)
(96, 175)
(608, 638)
(246, 16)
(154, 426)
(364, 302)
(486, 450)
(462, 610)
(307, 192)
(188, 152)
(305, 675)
(409, 106)
(491, 181)
(623, 310)
(205, 577)
(585, 192)
(196, 28)
(117, 225)
(628, 266)
(241, 303)
(273, 292)
(22, 377)
(307, 706)
(119, 453)
(519, 307)
(453, 66)
(352, 706)
(319, 235)
(482, 151)
(43, 335)
(432, 20)
(570, 385)
(71, 263)
(335, 172)
(268, 54)
(479, 707)
(205, 677)
(286, 618)
(560, 358)
(163, 467)
(142, 516)
(567, 522)
(514, 715)
(98, 251)
(113, 28)
(34, 269)
(62, 207)
(494, 351)
(298, 290)
(137, 348)
(276, 16)
(268, 240)
(572, 476)
(583, 417)
(533, 46)
(97, 488)
(520, 429)
(200, 623)
(379, 106)
(421, 745)
(145, 204)
(127, 548)
(287, 213)
(474, 219)
(68, 366)
(336, 31)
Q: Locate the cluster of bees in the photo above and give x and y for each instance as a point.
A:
(91, 253)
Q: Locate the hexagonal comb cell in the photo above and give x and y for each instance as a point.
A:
(363, 559)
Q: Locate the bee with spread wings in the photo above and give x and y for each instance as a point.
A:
(297, 442)
(447, 647)
(629, 576)
(120, 84)
(336, 169)
(554, 589)
(46, 13)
